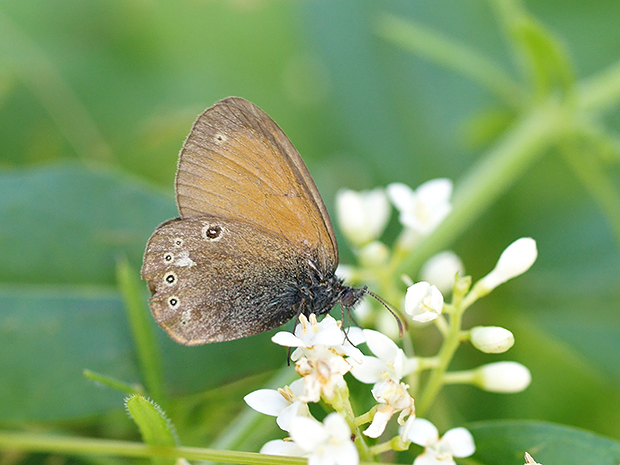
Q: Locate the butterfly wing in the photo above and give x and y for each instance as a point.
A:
(239, 165)
(216, 280)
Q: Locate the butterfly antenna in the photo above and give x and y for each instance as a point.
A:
(342, 317)
(398, 316)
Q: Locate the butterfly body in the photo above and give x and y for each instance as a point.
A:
(254, 246)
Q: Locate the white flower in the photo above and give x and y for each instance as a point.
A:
(515, 260)
(390, 361)
(457, 442)
(321, 376)
(393, 397)
(284, 403)
(423, 302)
(425, 208)
(441, 270)
(313, 338)
(362, 215)
(502, 377)
(491, 339)
(327, 443)
(280, 447)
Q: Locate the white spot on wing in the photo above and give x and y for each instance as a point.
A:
(184, 260)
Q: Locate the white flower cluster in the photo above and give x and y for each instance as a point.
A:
(324, 353)
(322, 356)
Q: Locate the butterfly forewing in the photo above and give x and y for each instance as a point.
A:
(217, 280)
(237, 164)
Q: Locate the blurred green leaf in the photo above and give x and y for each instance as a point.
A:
(543, 57)
(500, 443)
(48, 336)
(66, 224)
(59, 316)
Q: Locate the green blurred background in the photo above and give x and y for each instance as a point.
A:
(96, 99)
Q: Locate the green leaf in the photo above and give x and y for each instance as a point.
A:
(543, 56)
(47, 338)
(155, 428)
(67, 224)
(501, 443)
(148, 353)
(62, 229)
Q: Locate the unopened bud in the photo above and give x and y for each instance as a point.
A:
(515, 260)
(491, 339)
(503, 377)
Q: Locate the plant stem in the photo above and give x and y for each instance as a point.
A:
(451, 55)
(602, 91)
(448, 348)
(80, 446)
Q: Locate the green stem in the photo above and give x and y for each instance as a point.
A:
(450, 54)
(31, 442)
(459, 377)
(340, 403)
(435, 382)
(493, 175)
(113, 382)
(601, 91)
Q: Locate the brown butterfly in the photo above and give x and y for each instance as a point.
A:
(254, 245)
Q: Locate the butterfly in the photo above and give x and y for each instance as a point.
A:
(253, 246)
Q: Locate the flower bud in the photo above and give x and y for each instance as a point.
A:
(503, 377)
(362, 215)
(374, 254)
(441, 270)
(491, 339)
(423, 302)
(515, 260)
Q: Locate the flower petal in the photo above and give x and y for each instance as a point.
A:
(307, 433)
(296, 409)
(429, 457)
(369, 371)
(267, 401)
(379, 422)
(284, 338)
(401, 195)
(345, 454)
(280, 447)
(381, 345)
(423, 432)
(461, 442)
(337, 427)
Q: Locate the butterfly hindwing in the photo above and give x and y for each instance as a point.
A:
(212, 280)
